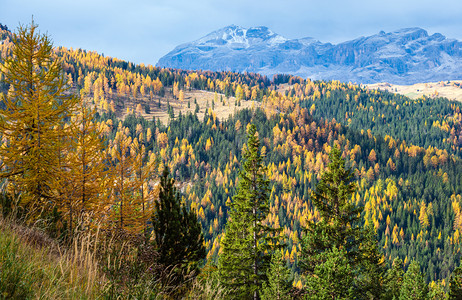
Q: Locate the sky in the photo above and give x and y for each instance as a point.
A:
(142, 31)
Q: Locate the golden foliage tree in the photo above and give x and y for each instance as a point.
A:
(32, 121)
(128, 207)
(122, 191)
(144, 168)
(85, 174)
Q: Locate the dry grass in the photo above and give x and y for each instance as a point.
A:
(36, 267)
(203, 98)
(94, 266)
(81, 263)
(207, 289)
(449, 89)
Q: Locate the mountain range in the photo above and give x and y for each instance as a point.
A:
(405, 56)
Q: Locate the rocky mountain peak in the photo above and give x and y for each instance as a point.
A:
(404, 56)
(239, 37)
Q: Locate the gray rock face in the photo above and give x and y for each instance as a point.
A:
(405, 56)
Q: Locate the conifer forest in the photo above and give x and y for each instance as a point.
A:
(141, 182)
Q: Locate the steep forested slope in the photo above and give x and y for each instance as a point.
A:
(405, 153)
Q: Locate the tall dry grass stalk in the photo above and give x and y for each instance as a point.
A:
(207, 290)
(49, 270)
(80, 265)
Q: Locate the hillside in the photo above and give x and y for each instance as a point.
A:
(405, 56)
(405, 153)
(222, 106)
(451, 90)
(35, 267)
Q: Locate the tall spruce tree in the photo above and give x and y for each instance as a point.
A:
(177, 235)
(414, 286)
(332, 279)
(340, 227)
(455, 284)
(247, 244)
(36, 106)
(393, 280)
(279, 280)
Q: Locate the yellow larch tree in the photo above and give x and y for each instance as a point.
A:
(32, 123)
(139, 109)
(239, 93)
(123, 186)
(144, 167)
(84, 182)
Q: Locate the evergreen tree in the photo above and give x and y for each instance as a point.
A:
(340, 227)
(393, 280)
(247, 243)
(455, 284)
(436, 291)
(414, 286)
(177, 234)
(371, 265)
(279, 280)
(333, 279)
(32, 121)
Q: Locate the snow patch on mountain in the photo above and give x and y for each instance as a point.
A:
(404, 56)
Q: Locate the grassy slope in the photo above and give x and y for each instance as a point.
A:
(449, 89)
(32, 266)
(203, 98)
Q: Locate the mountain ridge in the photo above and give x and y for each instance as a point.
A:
(403, 56)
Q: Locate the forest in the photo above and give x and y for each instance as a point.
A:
(319, 190)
